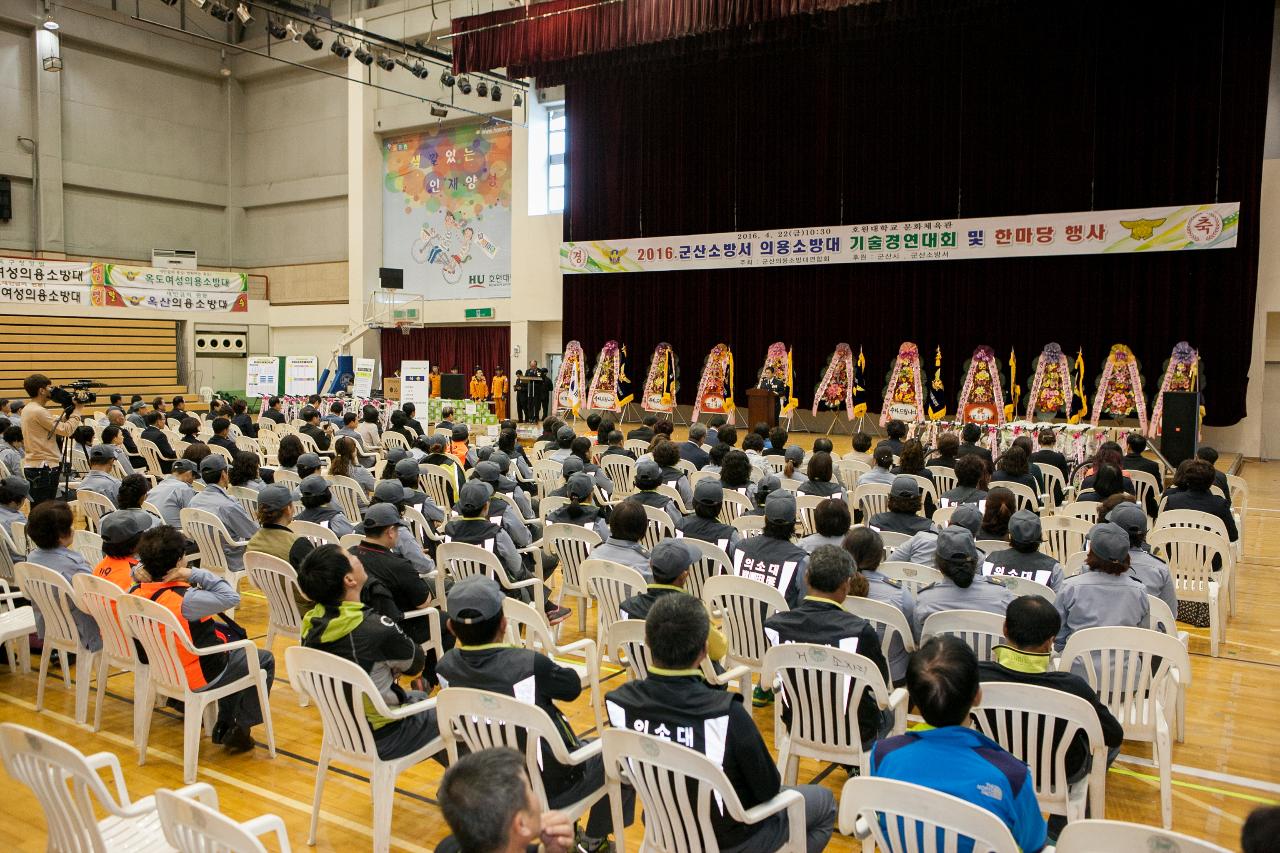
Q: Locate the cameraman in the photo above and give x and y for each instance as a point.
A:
(42, 459)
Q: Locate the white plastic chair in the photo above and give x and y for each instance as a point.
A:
(67, 783)
(980, 630)
(888, 620)
(88, 544)
(659, 527)
(622, 471)
(1190, 552)
(573, 544)
(213, 540)
(678, 788)
(1074, 565)
(317, 533)
(287, 478)
(460, 560)
(942, 515)
(97, 597)
(637, 446)
(944, 478)
(748, 525)
(526, 627)
(17, 624)
(350, 540)
(870, 498)
(246, 497)
(823, 687)
(1021, 586)
(1024, 496)
(1118, 836)
(196, 827)
(279, 584)
(158, 633)
(438, 482)
(341, 691)
(393, 441)
(1196, 520)
(349, 496)
(51, 594)
(745, 605)
(928, 491)
(1037, 726)
(1063, 535)
(548, 505)
(609, 584)
(624, 642)
(1118, 664)
(548, 475)
(735, 504)
(481, 720)
(151, 453)
(847, 471)
(1083, 510)
(868, 805)
(1162, 620)
(713, 563)
(94, 506)
(1145, 484)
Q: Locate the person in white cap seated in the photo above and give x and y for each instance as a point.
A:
(173, 494)
(1143, 565)
(214, 499)
(1025, 559)
(902, 508)
(1106, 594)
(102, 458)
(961, 588)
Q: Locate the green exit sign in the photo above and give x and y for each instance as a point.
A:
(479, 313)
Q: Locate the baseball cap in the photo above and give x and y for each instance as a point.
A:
(308, 460)
(565, 433)
(483, 454)
(1128, 516)
(313, 486)
(794, 453)
(474, 496)
(670, 557)
(380, 515)
(904, 487)
(443, 437)
(767, 485)
(17, 485)
(101, 453)
(580, 486)
(487, 472)
(648, 472)
(708, 492)
(502, 460)
(572, 465)
(184, 465)
(474, 599)
(276, 497)
(780, 507)
(966, 516)
(117, 527)
(212, 462)
(956, 543)
(1024, 527)
(395, 454)
(1109, 541)
(407, 468)
(138, 406)
(390, 491)
(460, 432)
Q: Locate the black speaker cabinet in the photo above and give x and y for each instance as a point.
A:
(1181, 425)
(391, 278)
(453, 386)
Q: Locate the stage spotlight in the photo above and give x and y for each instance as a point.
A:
(312, 39)
(275, 30)
(438, 111)
(517, 100)
(220, 12)
(496, 92)
(446, 79)
(482, 89)
(242, 12)
(417, 69)
(340, 48)
(363, 56)
(291, 31)
(464, 85)
(199, 3)
(386, 63)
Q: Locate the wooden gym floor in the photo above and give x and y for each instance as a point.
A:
(1226, 768)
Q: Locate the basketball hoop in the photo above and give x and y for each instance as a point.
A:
(403, 327)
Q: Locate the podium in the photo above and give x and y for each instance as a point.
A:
(761, 407)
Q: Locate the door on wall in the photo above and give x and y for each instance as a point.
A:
(553, 362)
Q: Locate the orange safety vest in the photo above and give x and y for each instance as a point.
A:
(118, 570)
(166, 596)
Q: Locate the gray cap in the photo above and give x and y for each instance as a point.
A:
(483, 454)
(670, 557)
(138, 406)
(904, 487)
(101, 453)
(475, 599)
(487, 472)
(502, 460)
(794, 454)
(1024, 527)
(17, 485)
(395, 454)
(966, 516)
(767, 485)
(181, 465)
(407, 468)
(780, 507)
(443, 437)
(708, 492)
(474, 496)
(117, 527)
(956, 543)
(648, 471)
(1129, 516)
(564, 434)
(391, 492)
(380, 515)
(213, 462)
(1109, 541)
(459, 432)
(313, 485)
(276, 497)
(580, 486)
(309, 460)
(572, 465)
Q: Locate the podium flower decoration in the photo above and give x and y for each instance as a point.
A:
(663, 381)
(1181, 374)
(903, 389)
(1051, 385)
(571, 380)
(715, 389)
(982, 387)
(1120, 388)
(835, 390)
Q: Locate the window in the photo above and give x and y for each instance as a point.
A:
(556, 139)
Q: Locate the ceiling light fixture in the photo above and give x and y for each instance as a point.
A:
(438, 111)
(446, 79)
(464, 85)
(340, 48)
(312, 39)
(482, 89)
(276, 30)
(386, 63)
(243, 13)
(363, 56)
(50, 24)
(496, 92)
(517, 100)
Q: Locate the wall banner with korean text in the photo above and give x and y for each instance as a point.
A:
(122, 286)
(446, 211)
(34, 282)
(1102, 232)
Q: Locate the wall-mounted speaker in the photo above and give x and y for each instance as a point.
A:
(391, 278)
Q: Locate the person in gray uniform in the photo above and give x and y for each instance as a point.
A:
(793, 463)
(173, 494)
(648, 476)
(14, 491)
(970, 488)
(867, 550)
(1143, 565)
(1107, 594)
(1025, 559)
(318, 506)
(564, 439)
(508, 487)
(831, 519)
(705, 524)
(580, 510)
(666, 454)
(49, 529)
(102, 457)
(214, 499)
(502, 511)
(880, 471)
(407, 471)
(919, 548)
(961, 587)
(627, 524)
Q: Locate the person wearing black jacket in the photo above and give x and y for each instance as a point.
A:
(674, 703)
(243, 420)
(482, 661)
(405, 589)
(821, 619)
(221, 436)
(1198, 478)
(272, 412)
(1208, 454)
(410, 410)
(1030, 625)
(319, 434)
(1135, 461)
(644, 432)
(969, 436)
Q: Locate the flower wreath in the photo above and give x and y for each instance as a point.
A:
(982, 384)
(835, 391)
(1180, 374)
(904, 383)
(1051, 387)
(1120, 388)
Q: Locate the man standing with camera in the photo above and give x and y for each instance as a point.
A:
(42, 458)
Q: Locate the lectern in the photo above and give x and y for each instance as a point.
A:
(762, 407)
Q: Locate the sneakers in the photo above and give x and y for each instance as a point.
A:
(583, 843)
(556, 615)
(761, 698)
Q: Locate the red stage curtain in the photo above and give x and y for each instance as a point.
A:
(463, 347)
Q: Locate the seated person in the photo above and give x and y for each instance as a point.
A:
(222, 436)
(1106, 594)
(776, 443)
(1107, 482)
(214, 499)
(564, 441)
(667, 455)
(861, 447)
(489, 804)
(969, 435)
(482, 661)
(1025, 559)
(765, 486)
(957, 559)
(675, 699)
(174, 493)
(1205, 453)
(715, 457)
(343, 624)
(714, 426)
(821, 619)
(275, 511)
(14, 492)
(273, 412)
(920, 548)
(648, 476)
(1030, 624)
(950, 757)
(1197, 479)
(1136, 443)
(244, 422)
(669, 565)
(644, 432)
(288, 453)
(971, 485)
(818, 479)
(614, 440)
(460, 446)
(704, 524)
(100, 479)
(753, 447)
(793, 463)
(11, 454)
(831, 520)
(1152, 571)
(627, 525)
(245, 471)
(509, 488)
(114, 437)
(318, 432)
(867, 550)
(944, 455)
(772, 557)
(49, 531)
(1000, 506)
(407, 544)
(1014, 467)
(1047, 440)
(308, 464)
(903, 505)
(120, 532)
(319, 508)
(896, 434)
(735, 472)
(691, 450)
(189, 429)
(911, 461)
(572, 465)
(407, 472)
(345, 464)
(400, 588)
(502, 511)
(196, 597)
(438, 454)
(580, 510)
(881, 468)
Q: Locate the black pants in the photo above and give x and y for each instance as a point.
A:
(44, 483)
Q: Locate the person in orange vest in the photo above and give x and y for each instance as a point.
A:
(196, 597)
(435, 380)
(120, 533)
(498, 389)
(479, 386)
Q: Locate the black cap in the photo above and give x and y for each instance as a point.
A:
(474, 496)
(474, 599)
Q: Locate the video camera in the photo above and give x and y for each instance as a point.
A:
(75, 393)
